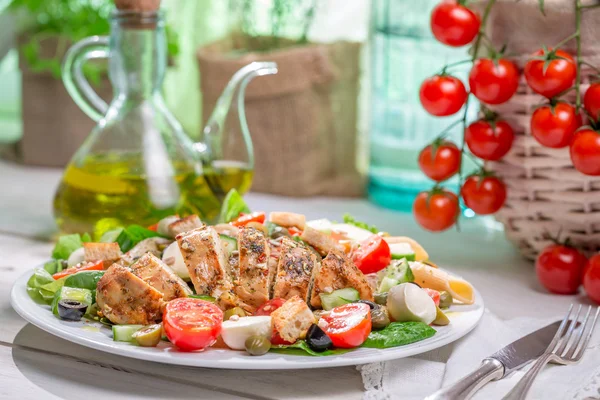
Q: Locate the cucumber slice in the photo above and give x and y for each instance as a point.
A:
(386, 284)
(396, 273)
(229, 243)
(402, 250)
(339, 297)
(68, 293)
(124, 333)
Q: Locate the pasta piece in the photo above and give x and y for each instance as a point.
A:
(420, 253)
(433, 278)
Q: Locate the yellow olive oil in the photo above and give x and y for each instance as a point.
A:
(107, 191)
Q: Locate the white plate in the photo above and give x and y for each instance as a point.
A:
(96, 336)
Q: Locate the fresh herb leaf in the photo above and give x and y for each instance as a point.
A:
(301, 348)
(132, 235)
(233, 206)
(348, 219)
(66, 245)
(399, 334)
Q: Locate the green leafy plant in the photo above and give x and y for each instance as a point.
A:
(66, 22)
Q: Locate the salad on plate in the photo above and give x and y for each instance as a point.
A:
(253, 282)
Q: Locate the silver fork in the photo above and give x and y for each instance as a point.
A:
(567, 349)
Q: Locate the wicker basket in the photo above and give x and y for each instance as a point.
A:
(546, 194)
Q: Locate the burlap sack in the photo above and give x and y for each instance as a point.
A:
(545, 193)
(303, 121)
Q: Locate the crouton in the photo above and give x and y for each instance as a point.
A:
(107, 252)
(288, 219)
(184, 225)
(322, 242)
(292, 319)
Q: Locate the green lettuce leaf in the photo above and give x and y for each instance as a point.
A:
(65, 245)
(399, 334)
(132, 235)
(233, 206)
(55, 266)
(348, 219)
(41, 287)
(301, 348)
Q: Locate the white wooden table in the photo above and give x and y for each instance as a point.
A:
(34, 364)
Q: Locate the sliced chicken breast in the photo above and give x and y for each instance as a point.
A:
(337, 271)
(294, 272)
(124, 298)
(157, 274)
(204, 258)
(252, 285)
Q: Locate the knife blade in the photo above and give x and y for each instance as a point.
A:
(506, 360)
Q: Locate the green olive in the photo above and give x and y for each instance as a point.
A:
(257, 345)
(381, 298)
(440, 318)
(149, 336)
(445, 299)
(234, 311)
(379, 317)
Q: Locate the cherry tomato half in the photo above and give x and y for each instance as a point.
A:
(552, 76)
(554, 126)
(434, 294)
(442, 95)
(454, 24)
(244, 219)
(559, 268)
(373, 255)
(585, 152)
(489, 141)
(591, 101)
(483, 195)
(440, 161)
(591, 278)
(84, 266)
(269, 307)
(436, 211)
(347, 326)
(494, 82)
(192, 324)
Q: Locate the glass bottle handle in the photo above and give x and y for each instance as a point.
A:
(77, 86)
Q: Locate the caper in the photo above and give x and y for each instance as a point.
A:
(234, 311)
(445, 299)
(379, 317)
(381, 298)
(440, 318)
(257, 345)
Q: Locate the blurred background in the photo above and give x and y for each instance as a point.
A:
(352, 100)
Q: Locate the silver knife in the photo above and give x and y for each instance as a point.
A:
(500, 364)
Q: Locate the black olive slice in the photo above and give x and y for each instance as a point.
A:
(317, 339)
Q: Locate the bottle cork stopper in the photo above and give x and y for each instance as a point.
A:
(138, 5)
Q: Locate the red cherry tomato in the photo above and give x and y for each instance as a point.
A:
(591, 101)
(559, 268)
(442, 95)
(434, 294)
(84, 266)
(440, 163)
(347, 326)
(484, 195)
(553, 77)
(454, 24)
(276, 339)
(591, 278)
(554, 126)
(436, 211)
(192, 324)
(244, 219)
(494, 82)
(294, 231)
(373, 255)
(488, 141)
(585, 152)
(269, 307)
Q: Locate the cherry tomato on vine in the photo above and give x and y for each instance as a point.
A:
(454, 24)
(437, 210)
(559, 268)
(440, 160)
(551, 72)
(554, 126)
(585, 152)
(494, 81)
(591, 101)
(483, 194)
(489, 141)
(442, 95)
(591, 278)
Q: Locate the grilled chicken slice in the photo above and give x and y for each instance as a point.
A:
(228, 300)
(294, 272)
(124, 298)
(337, 271)
(204, 258)
(157, 274)
(276, 248)
(252, 285)
(321, 242)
